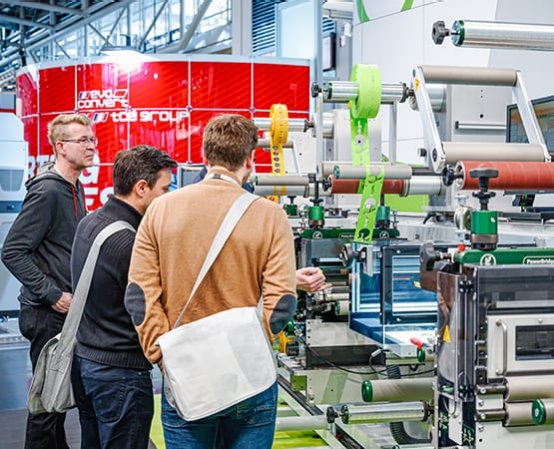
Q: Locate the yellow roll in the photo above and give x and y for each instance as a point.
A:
(278, 134)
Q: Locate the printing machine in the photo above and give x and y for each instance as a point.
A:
(457, 305)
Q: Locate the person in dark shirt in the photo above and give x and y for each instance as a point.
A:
(111, 377)
(37, 248)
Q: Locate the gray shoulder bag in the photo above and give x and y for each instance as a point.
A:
(51, 389)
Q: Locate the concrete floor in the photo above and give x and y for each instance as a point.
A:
(15, 377)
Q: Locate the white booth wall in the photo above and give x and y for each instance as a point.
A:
(398, 39)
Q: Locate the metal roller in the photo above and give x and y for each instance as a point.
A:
(298, 125)
(383, 413)
(328, 125)
(423, 185)
(344, 91)
(481, 76)
(514, 176)
(264, 143)
(288, 180)
(290, 423)
(339, 296)
(352, 186)
(472, 33)
(474, 151)
(437, 94)
(529, 387)
(328, 167)
(344, 171)
(280, 190)
(342, 308)
(518, 414)
(396, 390)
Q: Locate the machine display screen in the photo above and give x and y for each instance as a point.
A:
(534, 342)
(544, 110)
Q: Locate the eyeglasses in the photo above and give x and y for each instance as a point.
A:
(83, 141)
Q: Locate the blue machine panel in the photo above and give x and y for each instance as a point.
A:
(388, 304)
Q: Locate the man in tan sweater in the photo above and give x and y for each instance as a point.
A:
(257, 260)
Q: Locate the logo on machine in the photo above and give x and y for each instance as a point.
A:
(103, 99)
(487, 260)
(538, 260)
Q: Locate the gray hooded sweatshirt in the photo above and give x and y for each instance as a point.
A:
(38, 246)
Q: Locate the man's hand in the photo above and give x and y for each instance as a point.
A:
(311, 280)
(62, 305)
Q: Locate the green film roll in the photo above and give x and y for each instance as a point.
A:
(366, 104)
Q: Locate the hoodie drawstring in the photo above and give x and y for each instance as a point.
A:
(74, 200)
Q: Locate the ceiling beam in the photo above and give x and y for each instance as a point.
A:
(185, 40)
(143, 39)
(62, 29)
(30, 23)
(43, 6)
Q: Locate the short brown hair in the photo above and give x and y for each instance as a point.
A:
(57, 128)
(140, 162)
(229, 140)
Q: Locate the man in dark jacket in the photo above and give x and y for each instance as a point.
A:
(37, 249)
(110, 374)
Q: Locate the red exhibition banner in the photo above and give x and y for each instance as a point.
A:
(164, 101)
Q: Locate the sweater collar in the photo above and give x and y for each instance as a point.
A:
(120, 210)
(224, 171)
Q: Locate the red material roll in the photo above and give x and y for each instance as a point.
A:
(518, 176)
(352, 186)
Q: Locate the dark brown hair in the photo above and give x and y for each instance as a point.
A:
(228, 140)
(140, 162)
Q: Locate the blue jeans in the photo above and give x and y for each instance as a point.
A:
(250, 424)
(116, 405)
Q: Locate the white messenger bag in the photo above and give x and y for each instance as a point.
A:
(218, 361)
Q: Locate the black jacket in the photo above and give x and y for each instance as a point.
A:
(106, 333)
(38, 246)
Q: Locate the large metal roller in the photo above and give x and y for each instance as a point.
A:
(290, 423)
(288, 180)
(472, 33)
(396, 390)
(383, 413)
(481, 76)
(423, 185)
(474, 151)
(518, 414)
(347, 171)
(515, 176)
(528, 388)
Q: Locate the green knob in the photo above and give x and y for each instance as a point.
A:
(484, 222)
(316, 213)
(383, 213)
(290, 327)
(539, 412)
(367, 391)
(421, 355)
(291, 209)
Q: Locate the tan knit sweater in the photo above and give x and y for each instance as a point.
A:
(174, 238)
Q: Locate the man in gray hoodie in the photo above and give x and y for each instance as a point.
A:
(37, 251)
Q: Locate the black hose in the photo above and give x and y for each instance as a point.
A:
(397, 429)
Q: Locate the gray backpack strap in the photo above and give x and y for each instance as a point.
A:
(229, 223)
(69, 331)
